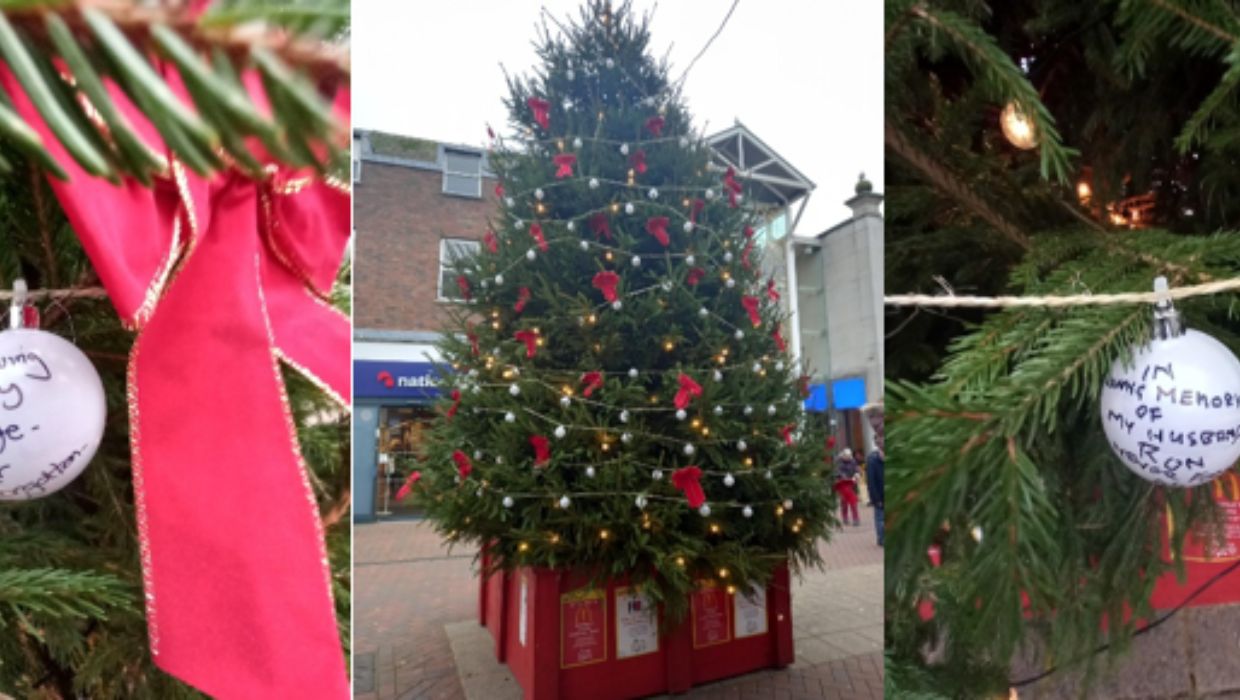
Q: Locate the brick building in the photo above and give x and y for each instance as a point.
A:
(416, 205)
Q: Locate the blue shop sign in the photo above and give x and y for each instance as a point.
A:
(848, 393)
(381, 379)
(817, 400)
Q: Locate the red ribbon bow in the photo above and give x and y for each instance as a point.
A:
(830, 443)
(407, 487)
(732, 186)
(530, 338)
(564, 163)
(523, 297)
(542, 450)
(695, 275)
(592, 381)
(599, 226)
(786, 432)
(638, 161)
(473, 342)
(771, 293)
(655, 125)
(253, 262)
(745, 256)
(688, 390)
(606, 282)
(657, 227)
(491, 241)
(779, 340)
(499, 190)
(540, 108)
(463, 466)
(688, 480)
(751, 307)
(463, 282)
(537, 234)
(456, 403)
(748, 232)
(698, 206)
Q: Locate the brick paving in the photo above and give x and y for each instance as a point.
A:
(411, 596)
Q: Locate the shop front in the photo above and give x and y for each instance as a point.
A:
(392, 416)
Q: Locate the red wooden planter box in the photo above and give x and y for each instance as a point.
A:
(1202, 561)
(562, 640)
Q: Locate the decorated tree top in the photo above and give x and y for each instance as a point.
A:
(622, 397)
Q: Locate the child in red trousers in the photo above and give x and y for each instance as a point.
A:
(846, 471)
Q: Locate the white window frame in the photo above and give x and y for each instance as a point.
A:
(445, 264)
(476, 175)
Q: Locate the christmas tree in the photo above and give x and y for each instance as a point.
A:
(621, 399)
(72, 617)
(1044, 148)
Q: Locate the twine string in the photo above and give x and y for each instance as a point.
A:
(1197, 290)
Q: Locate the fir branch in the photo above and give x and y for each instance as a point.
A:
(59, 593)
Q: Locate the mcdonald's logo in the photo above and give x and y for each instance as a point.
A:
(582, 616)
(1221, 490)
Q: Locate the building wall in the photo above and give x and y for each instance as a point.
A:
(851, 258)
(399, 215)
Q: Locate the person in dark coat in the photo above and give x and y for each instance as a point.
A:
(874, 464)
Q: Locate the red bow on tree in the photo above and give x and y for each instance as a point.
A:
(638, 161)
(540, 107)
(695, 275)
(463, 282)
(748, 232)
(745, 256)
(473, 342)
(786, 432)
(732, 186)
(698, 206)
(779, 340)
(771, 293)
(542, 450)
(491, 241)
(456, 403)
(537, 234)
(530, 338)
(499, 190)
(830, 443)
(407, 487)
(688, 480)
(688, 390)
(463, 465)
(655, 125)
(657, 227)
(751, 306)
(523, 296)
(592, 381)
(606, 282)
(600, 226)
(564, 163)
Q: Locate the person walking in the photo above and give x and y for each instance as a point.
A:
(846, 471)
(874, 464)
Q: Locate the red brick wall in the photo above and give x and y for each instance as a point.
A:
(399, 215)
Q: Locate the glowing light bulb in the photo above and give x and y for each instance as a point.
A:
(1018, 128)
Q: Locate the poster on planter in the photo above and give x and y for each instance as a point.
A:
(1205, 557)
(637, 626)
(583, 628)
(749, 612)
(710, 617)
(523, 623)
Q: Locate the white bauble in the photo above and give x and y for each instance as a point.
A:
(730, 283)
(718, 376)
(729, 480)
(703, 312)
(584, 245)
(742, 445)
(684, 142)
(577, 142)
(611, 63)
(565, 401)
(770, 410)
(787, 504)
(689, 449)
(689, 229)
(624, 149)
(519, 224)
(594, 183)
(757, 367)
(779, 366)
(653, 193)
(727, 257)
(624, 416)
(514, 390)
(567, 104)
(717, 410)
(508, 201)
(769, 475)
(632, 373)
(739, 334)
(538, 193)
(530, 254)
(477, 454)
(690, 260)
(1173, 414)
(710, 194)
(704, 511)
(499, 279)
(52, 413)
(626, 438)
(509, 418)
(640, 502)
(628, 208)
(636, 261)
(748, 410)
(657, 474)
(617, 305)
(565, 501)
(590, 472)
(560, 432)
(747, 512)
(508, 501)
(681, 414)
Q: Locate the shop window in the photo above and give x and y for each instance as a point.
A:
(403, 432)
(462, 173)
(450, 251)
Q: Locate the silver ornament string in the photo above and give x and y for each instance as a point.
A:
(1197, 290)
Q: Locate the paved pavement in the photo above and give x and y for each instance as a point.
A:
(414, 601)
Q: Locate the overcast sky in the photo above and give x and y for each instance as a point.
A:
(804, 75)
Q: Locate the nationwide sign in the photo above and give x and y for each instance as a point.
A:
(390, 379)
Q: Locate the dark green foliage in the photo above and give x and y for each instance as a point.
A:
(667, 548)
(993, 416)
